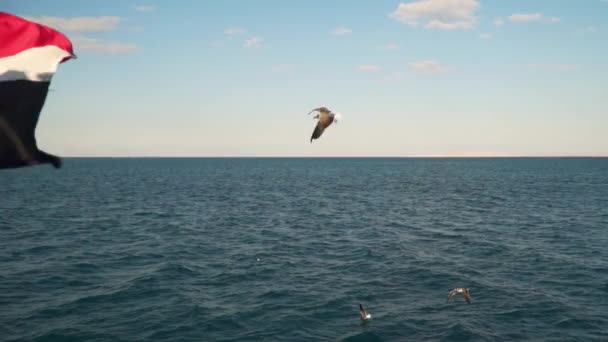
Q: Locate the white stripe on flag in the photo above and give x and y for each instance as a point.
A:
(34, 64)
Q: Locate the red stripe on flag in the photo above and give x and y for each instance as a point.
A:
(18, 34)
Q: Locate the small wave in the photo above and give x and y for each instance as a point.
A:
(152, 213)
(275, 294)
(43, 249)
(578, 323)
(510, 314)
(73, 335)
(363, 337)
(460, 332)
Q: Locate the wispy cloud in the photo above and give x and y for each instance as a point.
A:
(253, 43)
(234, 31)
(525, 17)
(80, 24)
(485, 36)
(103, 47)
(369, 67)
(144, 8)
(519, 18)
(553, 66)
(438, 14)
(588, 30)
(429, 67)
(341, 31)
(391, 47)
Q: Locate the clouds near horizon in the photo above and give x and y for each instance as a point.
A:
(144, 8)
(438, 14)
(80, 24)
(341, 31)
(430, 67)
(103, 46)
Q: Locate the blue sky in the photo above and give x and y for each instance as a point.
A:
(410, 78)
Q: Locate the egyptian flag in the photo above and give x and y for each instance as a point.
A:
(29, 56)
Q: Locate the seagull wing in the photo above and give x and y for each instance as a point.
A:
(315, 110)
(467, 297)
(450, 294)
(318, 131)
(324, 121)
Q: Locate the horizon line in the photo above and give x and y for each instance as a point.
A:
(335, 156)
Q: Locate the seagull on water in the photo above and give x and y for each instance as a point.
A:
(364, 314)
(464, 291)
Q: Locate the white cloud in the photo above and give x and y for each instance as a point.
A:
(519, 18)
(234, 31)
(525, 17)
(428, 67)
(391, 47)
(253, 42)
(441, 25)
(590, 29)
(369, 67)
(102, 46)
(144, 8)
(485, 36)
(341, 31)
(587, 30)
(531, 18)
(438, 14)
(80, 24)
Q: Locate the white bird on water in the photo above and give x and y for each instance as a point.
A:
(464, 291)
(364, 314)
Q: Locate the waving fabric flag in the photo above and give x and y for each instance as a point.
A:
(29, 56)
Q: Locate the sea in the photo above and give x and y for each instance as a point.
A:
(285, 249)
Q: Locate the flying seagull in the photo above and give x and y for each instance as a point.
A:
(29, 56)
(464, 291)
(364, 314)
(326, 117)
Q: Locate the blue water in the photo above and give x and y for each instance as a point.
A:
(285, 249)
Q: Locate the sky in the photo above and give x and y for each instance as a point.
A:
(409, 78)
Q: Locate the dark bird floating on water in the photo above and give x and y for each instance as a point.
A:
(29, 56)
(464, 291)
(326, 117)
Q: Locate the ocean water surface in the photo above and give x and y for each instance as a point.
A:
(263, 249)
